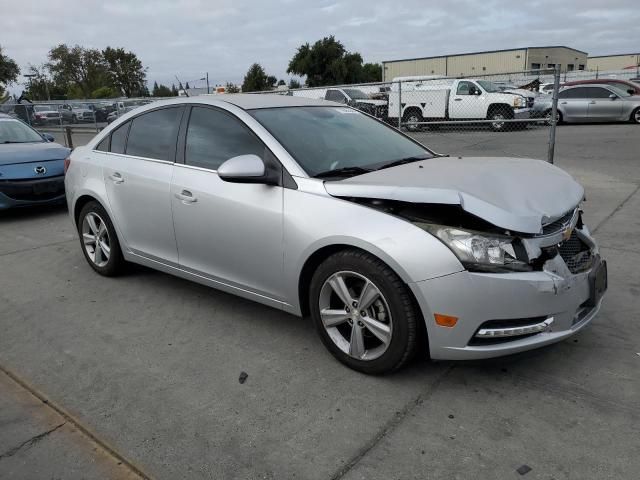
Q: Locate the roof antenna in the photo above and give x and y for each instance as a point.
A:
(183, 89)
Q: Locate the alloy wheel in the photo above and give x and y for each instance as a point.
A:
(636, 115)
(95, 238)
(355, 315)
(497, 125)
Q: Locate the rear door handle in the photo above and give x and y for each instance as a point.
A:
(186, 197)
(592, 102)
(563, 103)
(457, 99)
(116, 178)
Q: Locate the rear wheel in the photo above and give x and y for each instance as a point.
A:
(635, 116)
(99, 242)
(412, 117)
(364, 314)
(547, 116)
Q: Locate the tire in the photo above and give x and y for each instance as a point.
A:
(391, 312)
(635, 116)
(74, 119)
(501, 113)
(106, 262)
(412, 115)
(547, 115)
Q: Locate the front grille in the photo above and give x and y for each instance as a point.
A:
(576, 254)
(33, 190)
(559, 224)
(530, 101)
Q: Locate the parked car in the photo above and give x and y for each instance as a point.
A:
(102, 111)
(546, 88)
(31, 166)
(466, 99)
(121, 111)
(77, 113)
(313, 207)
(628, 86)
(591, 103)
(358, 99)
(45, 114)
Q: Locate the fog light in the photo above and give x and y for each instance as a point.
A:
(445, 320)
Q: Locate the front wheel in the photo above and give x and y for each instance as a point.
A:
(635, 116)
(363, 312)
(499, 116)
(99, 242)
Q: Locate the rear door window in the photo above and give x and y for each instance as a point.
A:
(154, 134)
(119, 138)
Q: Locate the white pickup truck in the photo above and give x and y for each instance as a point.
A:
(463, 99)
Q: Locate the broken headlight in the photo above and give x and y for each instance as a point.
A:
(479, 251)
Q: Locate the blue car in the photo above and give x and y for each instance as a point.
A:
(31, 166)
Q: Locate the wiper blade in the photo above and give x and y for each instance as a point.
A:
(403, 161)
(343, 172)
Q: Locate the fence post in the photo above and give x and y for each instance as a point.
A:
(69, 137)
(554, 113)
(399, 105)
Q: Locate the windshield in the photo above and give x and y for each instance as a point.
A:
(82, 106)
(322, 139)
(620, 90)
(356, 94)
(14, 131)
(488, 86)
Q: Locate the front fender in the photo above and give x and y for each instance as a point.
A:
(314, 221)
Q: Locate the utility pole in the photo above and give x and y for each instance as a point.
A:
(208, 92)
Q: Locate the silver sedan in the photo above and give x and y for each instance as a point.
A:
(318, 209)
(591, 103)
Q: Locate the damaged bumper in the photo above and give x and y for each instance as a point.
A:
(504, 313)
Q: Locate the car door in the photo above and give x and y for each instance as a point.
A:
(573, 104)
(230, 233)
(465, 103)
(137, 175)
(601, 107)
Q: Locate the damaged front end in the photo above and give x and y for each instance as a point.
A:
(563, 247)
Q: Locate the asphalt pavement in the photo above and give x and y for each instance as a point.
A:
(146, 366)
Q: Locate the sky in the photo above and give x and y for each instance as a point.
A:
(188, 38)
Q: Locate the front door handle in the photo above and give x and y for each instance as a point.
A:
(186, 197)
(457, 99)
(592, 102)
(116, 178)
(563, 103)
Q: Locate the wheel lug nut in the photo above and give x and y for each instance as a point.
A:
(355, 304)
(360, 324)
(363, 313)
(347, 309)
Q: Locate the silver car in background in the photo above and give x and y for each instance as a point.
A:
(591, 103)
(319, 209)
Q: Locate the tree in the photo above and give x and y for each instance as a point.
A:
(293, 83)
(271, 80)
(104, 92)
(371, 72)
(328, 62)
(231, 88)
(77, 69)
(281, 82)
(256, 79)
(161, 90)
(9, 71)
(187, 87)
(125, 70)
(174, 90)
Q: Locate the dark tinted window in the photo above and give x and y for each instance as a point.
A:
(597, 92)
(464, 88)
(119, 138)
(214, 137)
(154, 134)
(335, 96)
(103, 146)
(574, 93)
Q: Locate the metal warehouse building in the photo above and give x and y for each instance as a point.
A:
(614, 62)
(490, 62)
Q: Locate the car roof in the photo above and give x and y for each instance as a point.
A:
(248, 101)
(600, 81)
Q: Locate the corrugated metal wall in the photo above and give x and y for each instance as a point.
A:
(613, 62)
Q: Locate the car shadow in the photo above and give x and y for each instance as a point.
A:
(32, 212)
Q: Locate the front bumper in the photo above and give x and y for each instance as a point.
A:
(480, 300)
(522, 113)
(41, 191)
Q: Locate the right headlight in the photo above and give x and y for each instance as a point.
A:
(479, 251)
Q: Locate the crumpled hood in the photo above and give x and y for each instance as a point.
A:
(11, 153)
(515, 194)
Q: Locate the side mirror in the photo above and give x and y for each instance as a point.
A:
(631, 91)
(613, 96)
(245, 169)
(48, 137)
